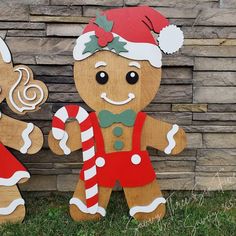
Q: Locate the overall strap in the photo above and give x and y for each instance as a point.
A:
(137, 132)
(97, 133)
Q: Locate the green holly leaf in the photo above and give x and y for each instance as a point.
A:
(117, 45)
(102, 22)
(92, 46)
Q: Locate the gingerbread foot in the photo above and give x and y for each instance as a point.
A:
(78, 208)
(12, 207)
(146, 202)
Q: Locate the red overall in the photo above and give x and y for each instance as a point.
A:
(9, 165)
(131, 168)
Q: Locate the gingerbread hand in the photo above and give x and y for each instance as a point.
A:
(164, 136)
(73, 143)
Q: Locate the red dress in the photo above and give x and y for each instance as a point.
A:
(131, 168)
(11, 170)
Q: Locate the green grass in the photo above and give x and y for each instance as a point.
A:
(188, 213)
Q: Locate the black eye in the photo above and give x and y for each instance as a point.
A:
(102, 77)
(132, 77)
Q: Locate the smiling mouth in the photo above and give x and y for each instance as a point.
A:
(131, 96)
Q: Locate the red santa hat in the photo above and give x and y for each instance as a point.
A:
(128, 32)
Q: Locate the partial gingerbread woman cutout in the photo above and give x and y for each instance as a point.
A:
(117, 72)
(23, 94)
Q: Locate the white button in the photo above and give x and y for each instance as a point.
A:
(136, 159)
(100, 162)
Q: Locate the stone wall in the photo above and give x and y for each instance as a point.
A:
(198, 88)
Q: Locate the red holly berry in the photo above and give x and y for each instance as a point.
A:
(103, 36)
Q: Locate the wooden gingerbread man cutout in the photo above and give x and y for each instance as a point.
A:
(23, 94)
(117, 72)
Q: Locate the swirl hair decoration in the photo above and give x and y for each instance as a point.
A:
(28, 103)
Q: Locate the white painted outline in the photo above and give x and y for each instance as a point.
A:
(135, 64)
(4, 211)
(135, 50)
(170, 138)
(100, 63)
(148, 208)
(131, 96)
(14, 179)
(27, 107)
(25, 136)
(63, 145)
(5, 52)
(83, 207)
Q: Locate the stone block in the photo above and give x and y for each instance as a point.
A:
(214, 94)
(43, 10)
(65, 29)
(214, 64)
(174, 94)
(223, 157)
(40, 183)
(218, 78)
(222, 140)
(189, 107)
(194, 140)
(13, 12)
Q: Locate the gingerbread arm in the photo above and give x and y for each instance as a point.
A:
(19, 135)
(73, 142)
(164, 136)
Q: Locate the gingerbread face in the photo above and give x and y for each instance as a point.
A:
(108, 81)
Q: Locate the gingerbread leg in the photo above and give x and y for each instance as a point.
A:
(12, 207)
(146, 202)
(78, 206)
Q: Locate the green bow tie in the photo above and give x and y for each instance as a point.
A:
(106, 118)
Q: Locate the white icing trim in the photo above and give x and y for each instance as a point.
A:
(5, 52)
(171, 140)
(83, 207)
(131, 96)
(28, 106)
(14, 179)
(63, 145)
(135, 64)
(87, 134)
(136, 51)
(100, 63)
(26, 139)
(90, 173)
(4, 211)
(57, 133)
(148, 208)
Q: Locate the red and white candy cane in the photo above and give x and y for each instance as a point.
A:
(88, 146)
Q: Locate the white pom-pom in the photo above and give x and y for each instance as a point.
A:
(170, 39)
